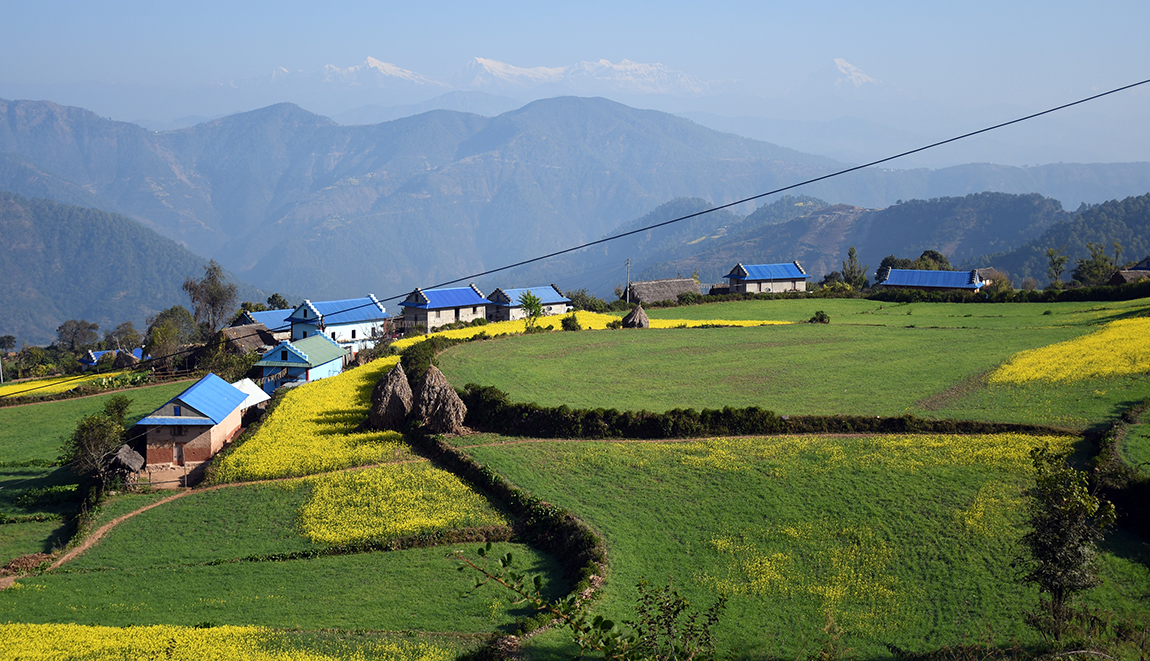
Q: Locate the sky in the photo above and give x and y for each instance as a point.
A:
(999, 60)
(955, 53)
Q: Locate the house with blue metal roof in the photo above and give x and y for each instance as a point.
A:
(767, 278)
(931, 280)
(433, 308)
(353, 323)
(92, 357)
(194, 425)
(505, 305)
(294, 362)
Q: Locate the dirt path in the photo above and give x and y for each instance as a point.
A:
(97, 534)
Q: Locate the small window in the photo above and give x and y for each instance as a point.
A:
(176, 411)
(475, 309)
(353, 333)
(305, 334)
(333, 335)
(283, 355)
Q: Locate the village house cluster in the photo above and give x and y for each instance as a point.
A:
(317, 339)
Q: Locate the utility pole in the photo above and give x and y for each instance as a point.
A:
(627, 291)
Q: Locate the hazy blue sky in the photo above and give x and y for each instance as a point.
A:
(968, 53)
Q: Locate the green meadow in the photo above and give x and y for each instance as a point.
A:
(900, 540)
(797, 369)
(903, 541)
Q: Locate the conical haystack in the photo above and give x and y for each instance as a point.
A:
(636, 318)
(438, 405)
(123, 360)
(390, 401)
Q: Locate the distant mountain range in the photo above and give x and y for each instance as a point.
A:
(289, 200)
(64, 262)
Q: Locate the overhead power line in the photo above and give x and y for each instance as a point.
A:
(648, 228)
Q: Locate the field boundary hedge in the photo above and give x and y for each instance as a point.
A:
(491, 409)
(581, 551)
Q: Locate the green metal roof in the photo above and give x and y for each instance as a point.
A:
(318, 349)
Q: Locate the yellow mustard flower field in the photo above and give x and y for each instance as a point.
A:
(313, 431)
(391, 501)
(61, 642)
(1120, 348)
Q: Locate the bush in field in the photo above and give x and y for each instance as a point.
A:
(570, 323)
(820, 318)
(1067, 520)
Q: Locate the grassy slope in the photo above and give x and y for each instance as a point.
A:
(909, 546)
(416, 589)
(36, 431)
(798, 369)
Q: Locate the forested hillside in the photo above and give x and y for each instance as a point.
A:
(1126, 221)
(290, 200)
(959, 227)
(65, 262)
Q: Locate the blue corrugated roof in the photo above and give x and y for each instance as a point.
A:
(93, 357)
(546, 295)
(451, 297)
(347, 311)
(272, 319)
(213, 397)
(946, 279)
(790, 271)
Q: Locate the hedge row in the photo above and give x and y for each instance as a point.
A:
(1126, 292)
(490, 409)
(579, 549)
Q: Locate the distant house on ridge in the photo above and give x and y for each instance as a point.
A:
(766, 278)
(1139, 271)
(92, 357)
(353, 323)
(274, 320)
(931, 280)
(433, 308)
(505, 305)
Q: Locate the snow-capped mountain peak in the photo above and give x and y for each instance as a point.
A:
(583, 77)
(851, 75)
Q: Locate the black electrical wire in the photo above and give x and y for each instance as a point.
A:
(776, 191)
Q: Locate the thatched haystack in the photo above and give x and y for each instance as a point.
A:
(124, 360)
(126, 460)
(637, 318)
(390, 401)
(653, 291)
(437, 405)
(242, 340)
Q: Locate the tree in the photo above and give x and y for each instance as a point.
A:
(853, 274)
(252, 306)
(7, 342)
(75, 334)
(582, 300)
(1056, 264)
(932, 260)
(213, 298)
(277, 302)
(169, 331)
(96, 438)
(1097, 268)
(125, 336)
(532, 306)
(1066, 520)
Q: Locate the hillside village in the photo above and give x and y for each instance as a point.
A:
(914, 431)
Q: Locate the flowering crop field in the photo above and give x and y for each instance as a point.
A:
(588, 320)
(50, 386)
(902, 539)
(389, 502)
(72, 641)
(312, 430)
(1120, 348)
